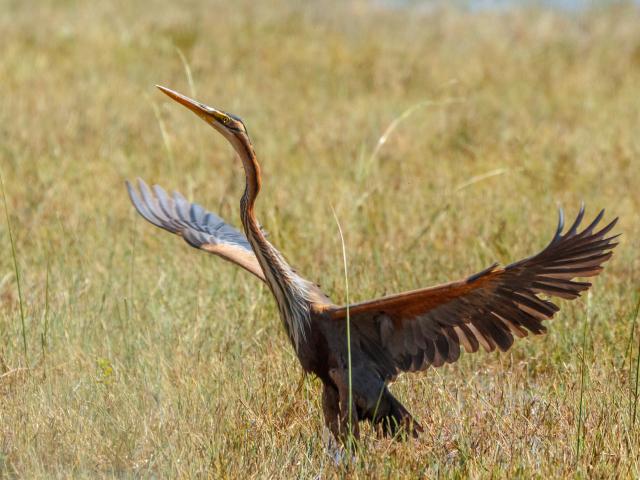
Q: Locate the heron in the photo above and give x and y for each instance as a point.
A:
(404, 332)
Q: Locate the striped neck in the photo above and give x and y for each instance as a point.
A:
(292, 293)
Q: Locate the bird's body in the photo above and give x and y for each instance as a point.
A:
(410, 331)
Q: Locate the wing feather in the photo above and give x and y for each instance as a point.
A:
(427, 327)
(199, 228)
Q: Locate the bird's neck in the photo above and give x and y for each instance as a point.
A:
(292, 293)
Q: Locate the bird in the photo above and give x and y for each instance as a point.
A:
(358, 350)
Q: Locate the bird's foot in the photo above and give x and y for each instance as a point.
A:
(332, 447)
(336, 452)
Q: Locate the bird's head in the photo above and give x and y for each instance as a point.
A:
(230, 126)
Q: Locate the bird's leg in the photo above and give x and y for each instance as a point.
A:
(332, 446)
(340, 379)
(331, 433)
(331, 409)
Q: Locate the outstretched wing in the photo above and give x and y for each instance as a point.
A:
(199, 228)
(413, 330)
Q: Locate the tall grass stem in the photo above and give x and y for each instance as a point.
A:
(583, 370)
(346, 285)
(637, 379)
(17, 272)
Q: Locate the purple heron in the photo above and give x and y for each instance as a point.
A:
(406, 332)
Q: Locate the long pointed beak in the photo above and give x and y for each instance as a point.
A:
(203, 111)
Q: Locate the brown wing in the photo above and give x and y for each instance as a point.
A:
(421, 328)
(199, 228)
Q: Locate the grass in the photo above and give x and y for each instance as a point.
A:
(17, 273)
(149, 359)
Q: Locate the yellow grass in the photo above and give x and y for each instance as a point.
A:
(147, 358)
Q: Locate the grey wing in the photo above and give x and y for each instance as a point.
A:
(199, 228)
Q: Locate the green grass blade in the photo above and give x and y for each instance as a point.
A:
(637, 379)
(17, 272)
(346, 284)
(583, 372)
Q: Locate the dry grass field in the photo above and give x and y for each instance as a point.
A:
(124, 353)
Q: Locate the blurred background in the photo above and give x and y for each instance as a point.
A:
(445, 136)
